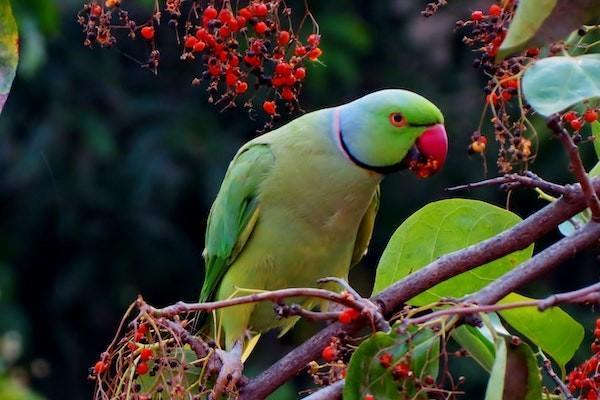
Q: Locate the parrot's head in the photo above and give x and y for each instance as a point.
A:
(393, 129)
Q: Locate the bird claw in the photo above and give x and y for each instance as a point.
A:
(230, 373)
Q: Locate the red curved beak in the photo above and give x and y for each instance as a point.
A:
(432, 148)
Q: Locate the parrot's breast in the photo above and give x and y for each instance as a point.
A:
(311, 205)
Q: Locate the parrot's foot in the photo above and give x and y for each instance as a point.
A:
(370, 309)
(231, 371)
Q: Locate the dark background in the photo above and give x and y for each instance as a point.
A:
(107, 173)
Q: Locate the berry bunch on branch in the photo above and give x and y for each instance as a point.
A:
(247, 51)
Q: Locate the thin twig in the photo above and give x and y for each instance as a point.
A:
(512, 181)
(587, 295)
(274, 296)
(559, 383)
(576, 164)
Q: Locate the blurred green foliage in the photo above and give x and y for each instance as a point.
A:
(107, 173)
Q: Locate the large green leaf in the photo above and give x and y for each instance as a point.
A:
(552, 84)
(553, 330)
(9, 50)
(367, 375)
(538, 22)
(515, 374)
(440, 228)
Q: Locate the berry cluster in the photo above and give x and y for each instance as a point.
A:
(240, 46)
(336, 355)
(485, 32)
(584, 380)
(576, 122)
(151, 361)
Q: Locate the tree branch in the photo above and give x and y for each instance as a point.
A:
(538, 264)
(519, 237)
(576, 164)
(512, 181)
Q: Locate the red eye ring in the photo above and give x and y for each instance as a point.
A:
(397, 119)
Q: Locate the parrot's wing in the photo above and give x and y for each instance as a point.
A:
(365, 229)
(234, 213)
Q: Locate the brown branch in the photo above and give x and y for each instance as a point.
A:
(519, 237)
(539, 264)
(576, 165)
(512, 181)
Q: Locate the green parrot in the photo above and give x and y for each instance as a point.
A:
(299, 203)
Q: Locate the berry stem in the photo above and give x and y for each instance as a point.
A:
(576, 165)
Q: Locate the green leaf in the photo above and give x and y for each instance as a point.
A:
(538, 22)
(515, 374)
(479, 347)
(596, 136)
(9, 50)
(552, 84)
(529, 17)
(367, 375)
(548, 329)
(440, 228)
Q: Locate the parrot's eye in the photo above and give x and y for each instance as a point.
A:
(397, 119)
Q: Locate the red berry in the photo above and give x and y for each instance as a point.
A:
(597, 332)
(225, 15)
(142, 368)
(402, 370)
(598, 323)
(385, 360)
(147, 32)
(283, 38)
(287, 94)
(199, 47)
(241, 22)
(495, 10)
(224, 31)
(100, 367)
(269, 107)
(96, 10)
(190, 42)
(210, 13)
(260, 9)
(231, 79)
(533, 52)
(314, 40)
(145, 354)
(570, 116)
(369, 397)
(245, 13)
(348, 315)
(506, 96)
(329, 353)
(283, 69)
(300, 73)
(315, 54)
(590, 115)
(300, 51)
(241, 87)
(477, 15)
(576, 124)
(260, 27)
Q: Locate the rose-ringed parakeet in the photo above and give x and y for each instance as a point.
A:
(298, 204)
